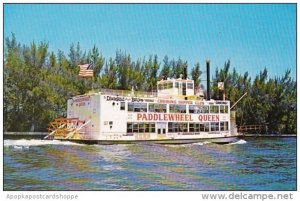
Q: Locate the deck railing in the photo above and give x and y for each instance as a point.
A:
(140, 94)
(245, 128)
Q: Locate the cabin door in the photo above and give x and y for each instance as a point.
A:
(161, 128)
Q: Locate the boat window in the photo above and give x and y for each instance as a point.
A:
(174, 127)
(160, 108)
(170, 127)
(196, 127)
(165, 85)
(177, 108)
(129, 128)
(192, 109)
(137, 107)
(147, 128)
(196, 109)
(122, 106)
(214, 109)
(224, 126)
(172, 108)
(190, 85)
(130, 107)
(152, 127)
(223, 109)
(182, 127)
(182, 108)
(135, 127)
(140, 107)
(151, 107)
(141, 128)
(201, 128)
(191, 127)
(214, 126)
(176, 85)
(202, 109)
(206, 127)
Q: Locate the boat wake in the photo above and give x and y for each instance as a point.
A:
(178, 145)
(25, 144)
(201, 143)
(188, 145)
(238, 142)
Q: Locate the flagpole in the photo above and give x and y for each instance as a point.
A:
(93, 66)
(92, 84)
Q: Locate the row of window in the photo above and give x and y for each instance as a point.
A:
(137, 107)
(175, 127)
(197, 127)
(140, 127)
(169, 85)
(174, 108)
(208, 109)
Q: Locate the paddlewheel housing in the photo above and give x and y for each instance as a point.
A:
(66, 128)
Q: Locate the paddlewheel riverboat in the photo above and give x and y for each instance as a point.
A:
(173, 115)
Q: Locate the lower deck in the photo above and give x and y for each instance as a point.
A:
(137, 131)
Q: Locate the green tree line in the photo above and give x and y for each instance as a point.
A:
(37, 84)
(269, 101)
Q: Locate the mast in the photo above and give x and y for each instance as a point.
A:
(208, 78)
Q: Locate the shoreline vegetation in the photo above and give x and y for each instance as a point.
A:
(37, 84)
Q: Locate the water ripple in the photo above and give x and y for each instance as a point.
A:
(265, 164)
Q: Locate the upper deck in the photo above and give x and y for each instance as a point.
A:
(179, 89)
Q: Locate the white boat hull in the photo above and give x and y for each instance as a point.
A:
(222, 140)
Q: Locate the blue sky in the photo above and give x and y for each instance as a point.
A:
(252, 36)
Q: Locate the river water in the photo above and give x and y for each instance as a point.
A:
(249, 164)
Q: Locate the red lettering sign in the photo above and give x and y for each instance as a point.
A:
(163, 117)
(176, 117)
(82, 99)
(208, 117)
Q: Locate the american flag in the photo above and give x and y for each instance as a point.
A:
(86, 70)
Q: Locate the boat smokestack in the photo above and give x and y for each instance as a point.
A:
(184, 71)
(208, 78)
